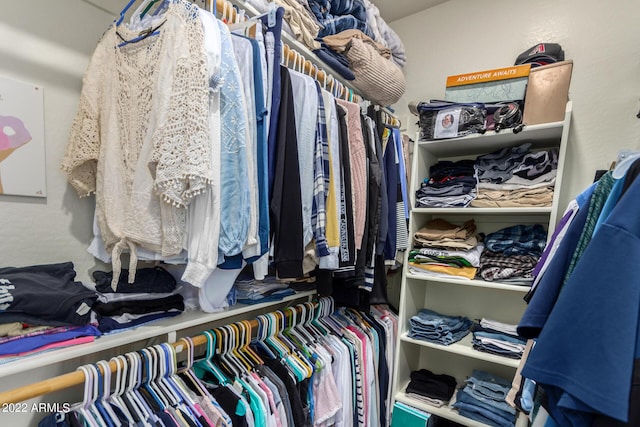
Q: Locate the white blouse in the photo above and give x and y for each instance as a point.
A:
(141, 138)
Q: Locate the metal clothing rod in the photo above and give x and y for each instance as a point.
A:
(76, 378)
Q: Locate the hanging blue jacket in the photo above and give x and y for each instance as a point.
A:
(584, 357)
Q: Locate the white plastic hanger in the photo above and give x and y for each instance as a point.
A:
(119, 388)
(83, 407)
(131, 393)
(625, 159)
(150, 362)
(187, 371)
(106, 391)
(135, 18)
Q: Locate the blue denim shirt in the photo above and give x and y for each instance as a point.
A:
(234, 200)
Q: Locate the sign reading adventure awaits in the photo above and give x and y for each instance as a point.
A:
(489, 75)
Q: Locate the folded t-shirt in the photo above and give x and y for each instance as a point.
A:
(44, 295)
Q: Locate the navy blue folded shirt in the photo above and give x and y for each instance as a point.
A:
(44, 295)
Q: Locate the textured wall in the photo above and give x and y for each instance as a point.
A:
(49, 44)
(459, 36)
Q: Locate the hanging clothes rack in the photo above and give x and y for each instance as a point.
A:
(72, 379)
(292, 57)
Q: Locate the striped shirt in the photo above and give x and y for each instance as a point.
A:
(320, 180)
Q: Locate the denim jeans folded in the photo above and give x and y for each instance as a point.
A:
(426, 317)
(479, 411)
(445, 339)
(431, 326)
(500, 407)
(438, 332)
(481, 415)
(488, 385)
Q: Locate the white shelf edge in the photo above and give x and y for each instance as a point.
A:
(186, 320)
(484, 211)
(449, 413)
(464, 348)
(524, 134)
(465, 282)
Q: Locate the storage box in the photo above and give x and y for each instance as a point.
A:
(547, 93)
(408, 416)
(490, 86)
(447, 120)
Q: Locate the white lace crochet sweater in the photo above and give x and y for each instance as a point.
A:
(141, 137)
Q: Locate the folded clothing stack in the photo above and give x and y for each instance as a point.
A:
(511, 254)
(449, 185)
(483, 399)
(251, 291)
(152, 296)
(516, 177)
(491, 337)
(432, 389)
(18, 339)
(431, 326)
(42, 307)
(336, 16)
(442, 249)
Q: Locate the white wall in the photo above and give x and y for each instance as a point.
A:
(601, 38)
(48, 43)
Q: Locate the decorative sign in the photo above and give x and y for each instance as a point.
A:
(22, 153)
(513, 72)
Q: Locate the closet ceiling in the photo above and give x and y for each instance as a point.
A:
(391, 10)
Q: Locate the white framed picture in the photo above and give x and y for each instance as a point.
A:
(22, 150)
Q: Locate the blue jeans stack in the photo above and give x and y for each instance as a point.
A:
(435, 327)
(483, 399)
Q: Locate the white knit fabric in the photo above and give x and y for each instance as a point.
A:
(141, 138)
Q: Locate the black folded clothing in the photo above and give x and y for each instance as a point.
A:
(44, 295)
(446, 168)
(148, 280)
(434, 386)
(117, 308)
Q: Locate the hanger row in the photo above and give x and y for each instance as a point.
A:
(236, 17)
(232, 340)
(291, 58)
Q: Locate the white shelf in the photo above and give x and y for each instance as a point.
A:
(483, 211)
(458, 296)
(539, 135)
(166, 326)
(447, 412)
(465, 282)
(464, 347)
